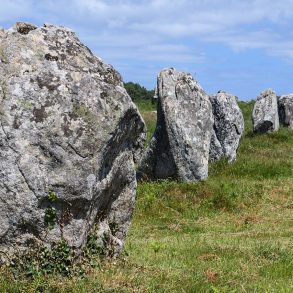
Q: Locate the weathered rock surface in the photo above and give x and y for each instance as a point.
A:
(265, 115)
(285, 104)
(180, 145)
(228, 126)
(69, 135)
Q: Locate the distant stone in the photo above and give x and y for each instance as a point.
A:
(69, 137)
(228, 126)
(286, 110)
(265, 116)
(179, 148)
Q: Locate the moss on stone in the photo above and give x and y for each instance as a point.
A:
(25, 104)
(83, 112)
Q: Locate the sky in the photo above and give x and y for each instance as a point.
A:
(242, 47)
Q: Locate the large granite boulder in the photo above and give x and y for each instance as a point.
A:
(265, 116)
(179, 148)
(285, 104)
(69, 136)
(228, 126)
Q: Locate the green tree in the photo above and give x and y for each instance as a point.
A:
(138, 92)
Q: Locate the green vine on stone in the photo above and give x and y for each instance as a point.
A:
(50, 212)
(50, 217)
(52, 197)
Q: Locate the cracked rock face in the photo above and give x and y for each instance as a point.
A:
(179, 148)
(285, 104)
(228, 126)
(265, 115)
(69, 136)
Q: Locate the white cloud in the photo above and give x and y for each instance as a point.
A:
(234, 23)
(230, 22)
(164, 31)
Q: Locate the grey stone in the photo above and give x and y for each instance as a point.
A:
(228, 126)
(68, 129)
(285, 104)
(179, 148)
(265, 116)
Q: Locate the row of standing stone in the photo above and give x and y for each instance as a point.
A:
(69, 130)
(194, 128)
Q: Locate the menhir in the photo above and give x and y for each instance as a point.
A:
(228, 126)
(285, 104)
(265, 115)
(69, 137)
(179, 148)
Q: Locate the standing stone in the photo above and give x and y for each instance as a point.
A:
(228, 126)
(285, 104)
(179, 148)
(69, 136)
(265, 116)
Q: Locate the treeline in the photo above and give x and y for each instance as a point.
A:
(138, 92)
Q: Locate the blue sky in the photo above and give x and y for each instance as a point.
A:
(242, 47)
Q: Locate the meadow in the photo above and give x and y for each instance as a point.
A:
(231, 233)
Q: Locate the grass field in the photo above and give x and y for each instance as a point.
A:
(232, 233)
